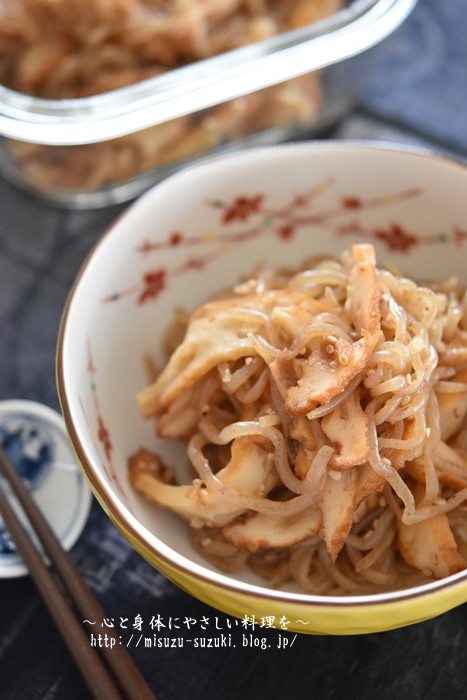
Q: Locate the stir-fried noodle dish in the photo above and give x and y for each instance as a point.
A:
(324, 412)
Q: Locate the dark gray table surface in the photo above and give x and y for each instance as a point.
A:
(413, 90)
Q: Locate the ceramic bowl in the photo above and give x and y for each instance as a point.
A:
(33, 437)
(189, 237)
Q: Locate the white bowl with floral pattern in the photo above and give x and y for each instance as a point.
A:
(196, 233)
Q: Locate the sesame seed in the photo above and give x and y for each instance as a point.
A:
(335, 475)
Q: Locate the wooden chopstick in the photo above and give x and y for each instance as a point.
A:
(95, 674)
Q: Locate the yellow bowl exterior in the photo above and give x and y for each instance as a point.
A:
(309, 618)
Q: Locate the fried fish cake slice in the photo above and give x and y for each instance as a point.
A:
(327, 375)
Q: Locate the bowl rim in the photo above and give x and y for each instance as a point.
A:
(116, 510)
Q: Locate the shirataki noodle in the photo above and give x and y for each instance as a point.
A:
(324, 411)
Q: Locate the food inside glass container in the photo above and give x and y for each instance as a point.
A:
(93, 166)
(325, 415)
(60, 49)
(74, 48)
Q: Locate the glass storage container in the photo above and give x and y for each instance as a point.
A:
(97, 149)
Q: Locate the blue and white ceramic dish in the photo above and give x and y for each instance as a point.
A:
(34, 438)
